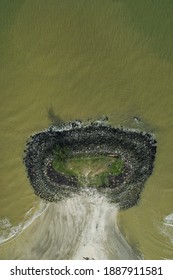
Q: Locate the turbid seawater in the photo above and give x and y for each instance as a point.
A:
(66, 60)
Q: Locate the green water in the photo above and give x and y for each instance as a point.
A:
(86, 59)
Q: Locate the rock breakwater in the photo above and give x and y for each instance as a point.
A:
(134, 148)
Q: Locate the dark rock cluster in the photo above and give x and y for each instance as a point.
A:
(136, 149)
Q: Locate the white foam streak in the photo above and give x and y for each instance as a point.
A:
(8, 231)
(167, 227)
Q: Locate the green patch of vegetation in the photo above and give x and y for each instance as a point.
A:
(99, 180)
(60, 158)
(90, 169)
(89, 164)
(116, 167)
(61, 153)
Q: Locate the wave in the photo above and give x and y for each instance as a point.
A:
(167, 227)
(9, 231)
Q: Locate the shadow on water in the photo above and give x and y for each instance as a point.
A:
(54, 119)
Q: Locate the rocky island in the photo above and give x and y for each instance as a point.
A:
(62, 161)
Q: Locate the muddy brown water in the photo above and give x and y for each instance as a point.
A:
(85, 59)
